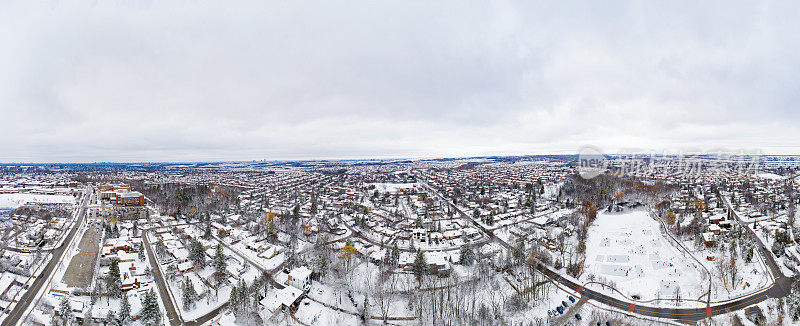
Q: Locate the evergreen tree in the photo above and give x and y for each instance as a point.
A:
(748, 254)
(220, 260)
(271, 230)
(240, 297)
(189, 294)
(314, 204)
(65, 310)
(141, 253)
(151, 314)
(256, 299)
(420, 266)
(255, 288)
(197, 253)
(113, 281)
(124, 310)
(387, 257)
(161, 249)
(395, 255)
(171, 272)
(207, 233)
(220, 265)
(467, 256)
(234, 299)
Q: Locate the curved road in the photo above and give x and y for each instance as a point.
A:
(780, 288)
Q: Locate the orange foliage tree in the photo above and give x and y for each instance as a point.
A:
(670, 218)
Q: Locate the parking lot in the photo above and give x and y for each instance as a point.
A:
(81, 268)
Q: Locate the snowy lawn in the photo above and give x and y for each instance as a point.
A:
(628, 249)
(313, 313)
(17, 200)
(207, 300)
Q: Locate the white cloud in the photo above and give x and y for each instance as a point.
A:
(202, 80)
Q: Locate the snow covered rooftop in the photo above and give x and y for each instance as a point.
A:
(300, 273)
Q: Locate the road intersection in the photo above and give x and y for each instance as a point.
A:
(778, 289)
(18, 314)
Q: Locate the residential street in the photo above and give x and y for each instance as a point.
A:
(31, 295)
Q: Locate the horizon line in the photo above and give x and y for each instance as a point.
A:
(422, 158)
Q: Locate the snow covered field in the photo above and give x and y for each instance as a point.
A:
(392, 187)
(770, 176)
(628, 249)
(17, 200)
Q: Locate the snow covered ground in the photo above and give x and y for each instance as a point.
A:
(208, 298)
(392, 187)
(17, 200)
(208, 301)
(8, 301)
(629, 250)
(265, 263)
(314, 313)
(770, 176)
(752, 276)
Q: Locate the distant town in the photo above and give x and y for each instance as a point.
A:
(524, 240)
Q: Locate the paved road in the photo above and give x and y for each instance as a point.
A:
(172, 313)
(208, 316)
(29, 296)
(684, 315)
(783, 284)
(572, 310)
(254, 263)
(357, 232)
(214, 313)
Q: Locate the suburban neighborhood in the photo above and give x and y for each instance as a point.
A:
(486, 240)
(399, 163)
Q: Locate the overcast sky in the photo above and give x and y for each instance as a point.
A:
(241, 80)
